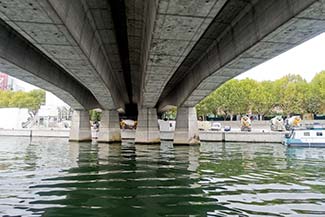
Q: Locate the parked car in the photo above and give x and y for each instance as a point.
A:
(216, 126)
(227, 128)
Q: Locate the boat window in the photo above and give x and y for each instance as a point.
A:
(306, 133)
(319, 133)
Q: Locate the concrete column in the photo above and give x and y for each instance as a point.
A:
(80, 127)
(109, 129)
(186, 131)
(147, 130)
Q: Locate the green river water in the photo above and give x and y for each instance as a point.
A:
(51, 177)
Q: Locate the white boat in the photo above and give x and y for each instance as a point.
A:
(311, 136)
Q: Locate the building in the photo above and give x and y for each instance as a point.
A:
(3, 81)
(9, 83)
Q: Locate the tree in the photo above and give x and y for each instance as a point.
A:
(313, 101)
(247, 87)
(316, 95)
(5, 98)
(230, 98)
(208, 105)
(170, 114)
(95, 115)
(31, 100)
(291, 90)
(263, 98)
(291, 93)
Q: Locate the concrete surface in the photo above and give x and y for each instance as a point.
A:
(150, 53)
(21, 60)
(253, 137)
(186, 130)
(273, 137)
(60, 133)
(122, 55)
(66, 32)
(178, 26)
(147, 130)
(242, 35)
(80, 126)
(109, 130)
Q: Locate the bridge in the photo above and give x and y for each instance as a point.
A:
(143, 57)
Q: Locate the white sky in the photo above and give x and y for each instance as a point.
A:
(306, 60)
(51, 99)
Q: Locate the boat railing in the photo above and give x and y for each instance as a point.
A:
(315, 126)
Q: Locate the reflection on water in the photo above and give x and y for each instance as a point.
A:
(57, 178)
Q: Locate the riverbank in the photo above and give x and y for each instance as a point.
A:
(205, 136)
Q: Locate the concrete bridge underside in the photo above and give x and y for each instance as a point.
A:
(142, 57)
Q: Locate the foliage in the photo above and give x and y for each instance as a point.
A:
(170, 114)
(290, 94)
(95, 115)
(31, 100)
(317, 93)
(263, 98)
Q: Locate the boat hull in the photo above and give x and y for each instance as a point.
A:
(314, 145)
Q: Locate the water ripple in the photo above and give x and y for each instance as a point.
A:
(56, 178)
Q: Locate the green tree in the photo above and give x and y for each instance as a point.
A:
(246, 88)
(5, 97)
(95, 115)
(208, 105)
(170, 114)
(291, 93)
(263, 98)
(315, 101)
(230, 98)
(31, 100)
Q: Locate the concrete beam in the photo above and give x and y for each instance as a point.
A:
(109, 130)
(20, 59)
(178, 26)
(141, 16)
(260, 32)
(65, 31)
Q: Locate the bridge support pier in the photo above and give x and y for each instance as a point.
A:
(186, 131)
(147, 130)
(109, 129)
(80, 127)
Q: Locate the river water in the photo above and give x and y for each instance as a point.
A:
(51, 177)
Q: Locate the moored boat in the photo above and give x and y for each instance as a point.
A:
(311, 136)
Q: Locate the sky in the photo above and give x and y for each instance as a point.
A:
(306, 60)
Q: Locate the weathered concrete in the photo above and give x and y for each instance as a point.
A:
(237, 42)
(80, 127)
(21, 60)
(56, 133)
(147, 130)
(109, 130)
(178, 26)
(141, 16)
(186, 131)
(273, 137)
(67, 32)
(177, 51)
